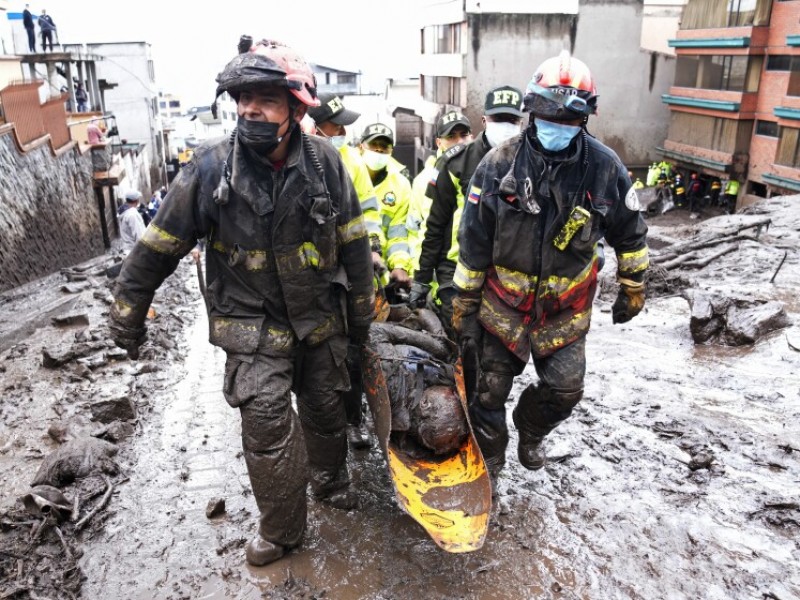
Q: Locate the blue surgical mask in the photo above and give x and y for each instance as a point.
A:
(555, 136)
(338, 141)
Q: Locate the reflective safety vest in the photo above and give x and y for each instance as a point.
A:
(732, 188)
(394, 199)
(366, 193)
(419, 209)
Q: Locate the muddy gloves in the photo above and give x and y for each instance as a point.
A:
(629, 302)
(419, 294)
(126, 320)
(128, 338)
(465, 319)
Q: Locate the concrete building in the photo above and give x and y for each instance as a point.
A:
(735, 102)
(133, 100)
(337, 81)
(169, 106)
(470, 46)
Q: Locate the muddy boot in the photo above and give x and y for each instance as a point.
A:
(358, 437)
(540, 409)
(327, 457)
(260, 552)
(491, 433)
(344, 498)
(529, 450)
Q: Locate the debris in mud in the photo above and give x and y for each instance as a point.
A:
(71, 320)
(76, 459)
(114, 409)
(733, 321)
(215, 508)
(46, 500)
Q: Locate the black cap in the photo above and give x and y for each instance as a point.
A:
(448, 122)
(331, 108)
(504, 100)
(375, 131)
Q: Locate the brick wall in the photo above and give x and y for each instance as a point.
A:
(49, 217)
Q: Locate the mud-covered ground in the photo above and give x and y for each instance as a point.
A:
(677, 477)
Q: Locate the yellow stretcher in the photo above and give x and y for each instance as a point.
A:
(450, 497)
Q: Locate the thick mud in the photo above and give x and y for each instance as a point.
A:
(676, 477)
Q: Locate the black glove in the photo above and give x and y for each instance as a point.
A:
(629, 302)
(128, 338)
(359, 334)
(419, 294)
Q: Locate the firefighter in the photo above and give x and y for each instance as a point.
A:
(284, 227)
(452, 128)
(330, 119)
(501, 118)
(528, 260)
(393, 190)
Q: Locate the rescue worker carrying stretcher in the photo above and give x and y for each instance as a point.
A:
(527, 268)
(289, 278)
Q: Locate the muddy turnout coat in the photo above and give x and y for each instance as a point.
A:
(528, 240)
(288, 253)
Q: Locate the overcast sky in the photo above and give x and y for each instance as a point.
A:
(192, 41)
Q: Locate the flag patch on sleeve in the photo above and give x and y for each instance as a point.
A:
(434, 176)
(474, 194)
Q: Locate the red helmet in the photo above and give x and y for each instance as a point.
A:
(562, 88)
(269, 62)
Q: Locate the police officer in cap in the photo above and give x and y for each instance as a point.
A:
(501, 120)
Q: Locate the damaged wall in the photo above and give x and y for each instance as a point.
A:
(507, 48)
(49, 217)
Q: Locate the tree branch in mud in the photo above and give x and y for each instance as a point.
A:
(693, 260)
(103, 501)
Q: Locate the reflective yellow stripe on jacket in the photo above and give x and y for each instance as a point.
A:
(452, 253)
(419, 209)
(366, 193)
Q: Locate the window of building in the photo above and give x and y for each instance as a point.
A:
(707, 14)
(786, 62)
(347, 78)
(441, 90)
(788, 153)
(442, 39)
(768, 128)
(712, 133)
(733, 73)
(779, 62)
(174, 103)
(162, 104)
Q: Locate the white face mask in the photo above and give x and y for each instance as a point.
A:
(338, 141)
(497, 132)
(375, 160)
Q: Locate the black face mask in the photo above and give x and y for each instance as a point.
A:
(258, 136)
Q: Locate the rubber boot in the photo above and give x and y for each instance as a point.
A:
(529, 450)
(357, 434)
(330, 481)
(491, 433)
(260, 552)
